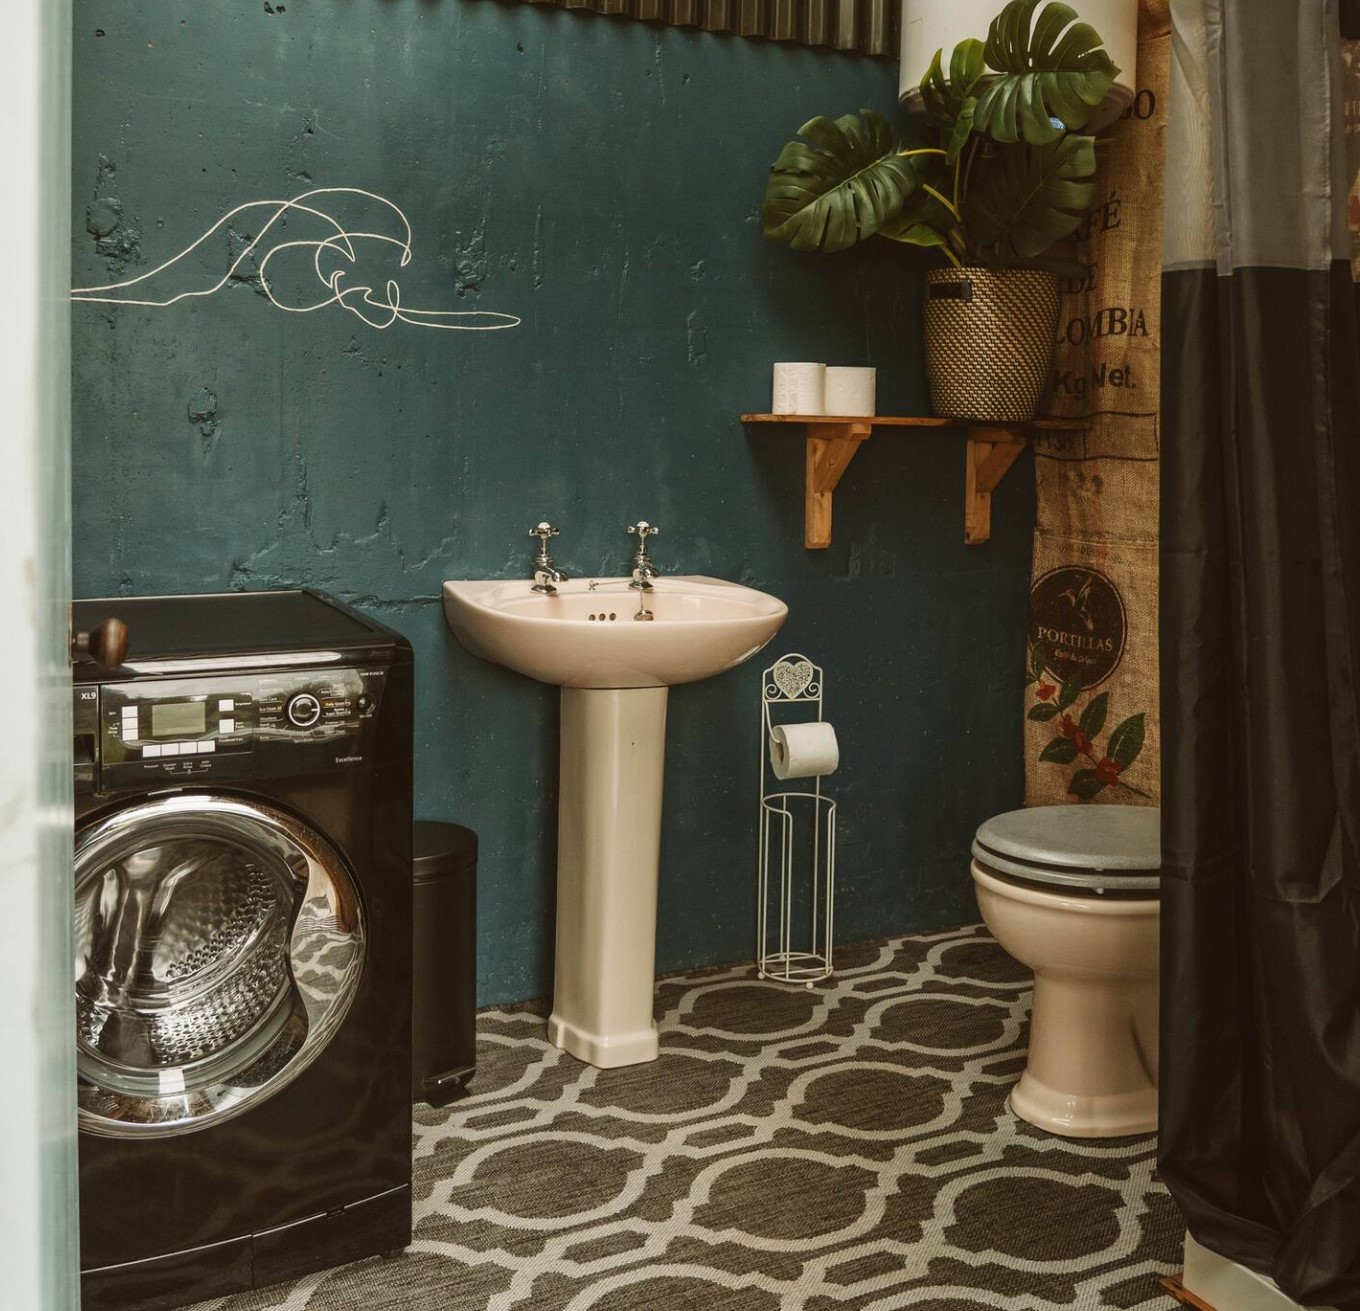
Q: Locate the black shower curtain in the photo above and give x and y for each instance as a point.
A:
(1260, 1114)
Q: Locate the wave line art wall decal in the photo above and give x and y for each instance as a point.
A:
(333, 241)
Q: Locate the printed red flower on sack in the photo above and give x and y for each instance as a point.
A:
(1076, 740)
(1108, 771)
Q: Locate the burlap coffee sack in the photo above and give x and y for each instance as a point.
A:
(1091, 727)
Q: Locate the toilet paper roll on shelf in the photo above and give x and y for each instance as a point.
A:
(850, 390)
(804, 750)
(799, 388)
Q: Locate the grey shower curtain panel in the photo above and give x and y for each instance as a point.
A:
(1260, 614)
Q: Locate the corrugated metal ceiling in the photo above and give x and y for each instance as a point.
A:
(866, 27)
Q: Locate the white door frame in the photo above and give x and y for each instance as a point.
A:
(38, 1212)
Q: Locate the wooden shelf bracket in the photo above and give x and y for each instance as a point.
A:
(991, 452)
(829, 449)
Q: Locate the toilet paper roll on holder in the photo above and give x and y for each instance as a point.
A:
(796, 874)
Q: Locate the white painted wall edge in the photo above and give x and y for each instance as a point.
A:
(1231, 1287)
(38, 1213)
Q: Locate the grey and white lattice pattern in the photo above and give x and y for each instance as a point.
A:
(845, 1147)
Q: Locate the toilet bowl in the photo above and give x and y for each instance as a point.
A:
(1071, 892)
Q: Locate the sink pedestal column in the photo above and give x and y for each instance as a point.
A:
(608, 853)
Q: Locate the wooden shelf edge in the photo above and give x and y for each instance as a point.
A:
(1173, 1285)
(831, 442)
(909, 421)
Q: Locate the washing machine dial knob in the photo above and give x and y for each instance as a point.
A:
(304, 710)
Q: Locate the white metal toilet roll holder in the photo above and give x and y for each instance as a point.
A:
(797, 830)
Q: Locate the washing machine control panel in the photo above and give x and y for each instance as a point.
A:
(230, 726)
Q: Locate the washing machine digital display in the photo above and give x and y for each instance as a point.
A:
(178, 718)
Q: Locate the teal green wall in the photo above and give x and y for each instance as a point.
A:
(602, 180)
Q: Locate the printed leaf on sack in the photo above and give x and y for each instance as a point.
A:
(1127, 741)
(1092, 719)
(1086, 785)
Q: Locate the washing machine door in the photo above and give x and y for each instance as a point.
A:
(219, 944)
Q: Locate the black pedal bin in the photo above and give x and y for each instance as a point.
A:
(444, 1038)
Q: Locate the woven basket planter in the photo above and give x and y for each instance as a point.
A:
(989, 338)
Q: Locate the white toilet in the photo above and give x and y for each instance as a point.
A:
(1071, 892)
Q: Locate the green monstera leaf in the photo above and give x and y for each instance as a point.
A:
(843, 183)
(1053, 69)
(1024, 198)
(912, 234)
(950, 102)
(923, 220)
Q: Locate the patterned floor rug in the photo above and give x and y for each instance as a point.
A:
(847, 1146)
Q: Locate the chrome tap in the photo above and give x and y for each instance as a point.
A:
(546, 574)
(644, 571)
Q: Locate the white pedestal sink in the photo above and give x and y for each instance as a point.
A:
(614, 670)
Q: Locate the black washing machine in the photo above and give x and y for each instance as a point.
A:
(243, 945)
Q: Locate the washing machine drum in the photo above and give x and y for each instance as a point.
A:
(219, 943)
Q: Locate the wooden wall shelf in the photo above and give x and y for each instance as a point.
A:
(832, 441)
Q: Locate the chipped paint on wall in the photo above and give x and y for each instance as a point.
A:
(117, 236)
(202, 410)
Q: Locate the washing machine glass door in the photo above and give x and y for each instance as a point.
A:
(219, 943)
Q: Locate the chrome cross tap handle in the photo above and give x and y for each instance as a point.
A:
(644, 571)
(546, 574)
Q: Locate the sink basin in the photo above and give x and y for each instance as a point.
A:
(615, 672)
(590, 638)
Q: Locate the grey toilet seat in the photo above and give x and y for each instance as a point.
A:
(1097, 849)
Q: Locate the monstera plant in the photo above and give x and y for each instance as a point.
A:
(1005, 174)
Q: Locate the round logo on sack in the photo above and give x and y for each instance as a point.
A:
(1077, 625)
